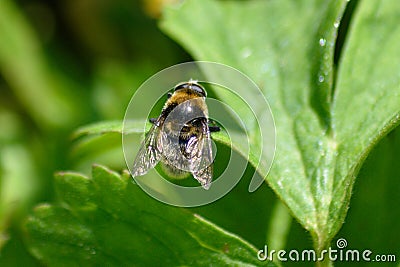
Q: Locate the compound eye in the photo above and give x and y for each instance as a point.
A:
(181, 86)
(198, 89)
(192, 86)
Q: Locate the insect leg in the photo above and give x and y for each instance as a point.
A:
(213, 127)
(153, 120)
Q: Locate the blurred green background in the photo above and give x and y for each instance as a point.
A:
(64, 64)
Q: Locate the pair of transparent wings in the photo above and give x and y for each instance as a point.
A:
(194, 155)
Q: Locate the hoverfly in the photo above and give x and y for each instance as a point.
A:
(180, 136)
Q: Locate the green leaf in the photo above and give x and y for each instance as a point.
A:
(101, 141)
(94, 139)
(105, 127)
(108, 220)
(325, 127)
(131, 127)
(366, 101)
(375, 208)
(14, 253)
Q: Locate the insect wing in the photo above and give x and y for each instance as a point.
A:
(202, 162)
(149, 153)
(204, 176)
(193, 148)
